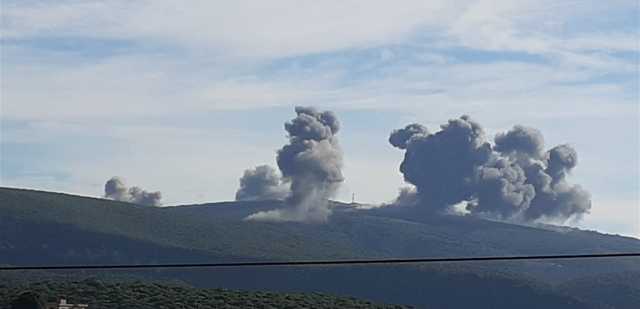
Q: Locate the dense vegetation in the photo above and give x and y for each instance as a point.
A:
(139, 295)
(49, 228)
(217, 230)
(614, 290)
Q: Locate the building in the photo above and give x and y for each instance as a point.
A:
(64, 305)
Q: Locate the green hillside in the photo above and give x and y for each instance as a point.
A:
(51, 228)
(218, 230)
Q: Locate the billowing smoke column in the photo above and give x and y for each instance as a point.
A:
(311, 164)
(515, 179)
(261, 183)
(115, 189)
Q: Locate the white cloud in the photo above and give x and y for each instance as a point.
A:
(117, 86)
(540, 27)
(275, 28)
(289, 28)
(136, 85)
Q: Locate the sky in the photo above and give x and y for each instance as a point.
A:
(182, 98)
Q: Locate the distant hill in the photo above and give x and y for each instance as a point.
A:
(50, 228)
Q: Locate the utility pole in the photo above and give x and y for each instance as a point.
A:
(353, 198)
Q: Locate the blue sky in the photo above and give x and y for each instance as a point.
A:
(183, 98)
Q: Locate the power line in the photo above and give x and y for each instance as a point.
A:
(326, 262)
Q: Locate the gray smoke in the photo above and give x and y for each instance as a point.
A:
(560, 160)
(501, 189)
(400, 138)
(261, 183)
(520, 140)
(557, 198)
(116, 189)
(442, 165)
(311, 164)
(406, 197)
(515, 179)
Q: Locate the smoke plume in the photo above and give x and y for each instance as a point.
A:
(311, 165)
(116, 189)
(513, 179)
(261, 183)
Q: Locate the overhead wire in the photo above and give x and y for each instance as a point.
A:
(397, 261)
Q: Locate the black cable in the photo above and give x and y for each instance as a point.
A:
(326, 262)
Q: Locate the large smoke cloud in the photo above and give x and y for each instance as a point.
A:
(261, 183)
(116, 189)
(311, 165)
(513, 179)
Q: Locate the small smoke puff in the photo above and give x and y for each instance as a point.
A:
(142, 197)
(561, 159)
(520, 139)
(261, 183)
(116, 189)
(406, 197)
(400, 138)
(312, 209)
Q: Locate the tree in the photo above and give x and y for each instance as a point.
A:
(27, 300)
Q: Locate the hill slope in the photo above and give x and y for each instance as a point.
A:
(62, 229)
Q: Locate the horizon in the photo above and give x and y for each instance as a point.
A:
(185, 108)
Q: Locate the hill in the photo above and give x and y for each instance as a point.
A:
(51, 228)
